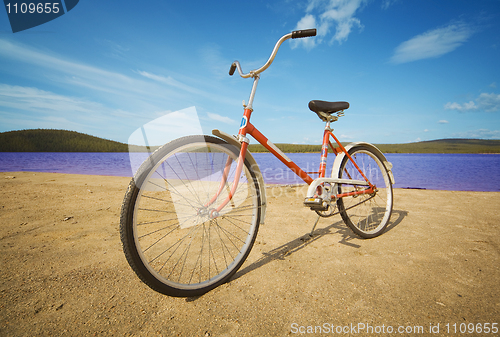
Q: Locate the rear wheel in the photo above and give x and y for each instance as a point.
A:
(366, 214)
(170, 235)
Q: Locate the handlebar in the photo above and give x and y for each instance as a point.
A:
(303, 33)
(293, 35)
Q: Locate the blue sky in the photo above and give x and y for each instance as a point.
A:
(411, 69)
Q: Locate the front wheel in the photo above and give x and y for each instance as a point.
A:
(366, 214)
(172, 237)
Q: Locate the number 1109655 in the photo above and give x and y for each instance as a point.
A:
(32, 8)
(472, 328)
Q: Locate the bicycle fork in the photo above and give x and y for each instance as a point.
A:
(239, 168)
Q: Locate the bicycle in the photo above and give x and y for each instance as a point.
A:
(191, 213)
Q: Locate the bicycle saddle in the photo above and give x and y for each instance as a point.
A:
(324, 109)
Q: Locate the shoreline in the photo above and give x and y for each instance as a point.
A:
(253, 152)
(268, 185)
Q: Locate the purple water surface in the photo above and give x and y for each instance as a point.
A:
(457, 172)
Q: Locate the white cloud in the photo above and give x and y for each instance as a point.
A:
(489, 102)
(323, 14)
(480, 134)
(29, 107)
(388, 3)
(443, 121)
(220, 118)
(346, 137)
(115, 50)
(485, 102)
(110, 86)
(433, 43)
(306, 22)
(36, 100)
(461, 107)
(169, 81)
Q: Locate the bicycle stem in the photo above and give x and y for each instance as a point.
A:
(252, 93)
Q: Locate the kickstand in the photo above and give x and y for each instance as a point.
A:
(314, 227)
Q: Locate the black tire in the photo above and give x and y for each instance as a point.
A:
(367, 215)
(165, 223)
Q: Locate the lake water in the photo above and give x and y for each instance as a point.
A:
(457, 172)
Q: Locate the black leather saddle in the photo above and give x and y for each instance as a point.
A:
(324, 109)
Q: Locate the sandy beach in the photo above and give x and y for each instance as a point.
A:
(63, 271)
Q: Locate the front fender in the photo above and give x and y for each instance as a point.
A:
(341, 155)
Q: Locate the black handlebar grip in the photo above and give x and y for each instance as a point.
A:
(303, 33)
(232, 69)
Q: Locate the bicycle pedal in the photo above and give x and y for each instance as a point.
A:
(316, 204)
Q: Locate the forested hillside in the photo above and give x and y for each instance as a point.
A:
(433, 146)
(44, 140)
(458, 145)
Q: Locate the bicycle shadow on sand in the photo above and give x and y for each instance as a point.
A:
(348, 238)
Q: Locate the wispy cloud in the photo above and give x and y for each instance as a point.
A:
(111, 86)
(461, 107)
(433, 43)
(388, 3)
(45, 109)
(156, 92)
(219, 118)
(115, 50)
(36, 100)
(443, 121)
(485, 102)
(169, 81)
(204, 92)
(480, 134)
(325, 14)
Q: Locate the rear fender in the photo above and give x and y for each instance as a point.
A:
(341, 155)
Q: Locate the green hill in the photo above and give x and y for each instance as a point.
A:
(444, 146)
(47, 140)
(433, 146)
(44, 140)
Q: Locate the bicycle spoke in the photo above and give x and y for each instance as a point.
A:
(167, 201)
(363, 212)
(179, 243)
(156, 231)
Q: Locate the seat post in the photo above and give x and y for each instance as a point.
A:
(327, 126)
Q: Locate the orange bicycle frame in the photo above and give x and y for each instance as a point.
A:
(248, 128)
